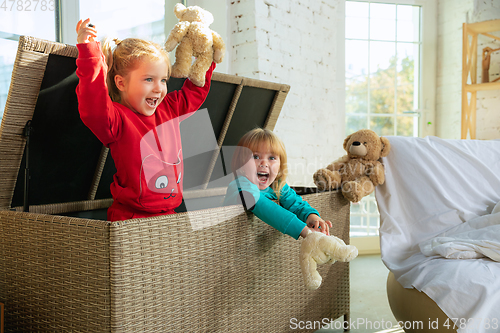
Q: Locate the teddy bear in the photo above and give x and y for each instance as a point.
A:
(194, 39)
(358, 172)
(317, 249)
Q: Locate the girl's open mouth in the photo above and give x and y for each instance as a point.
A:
(151, 102)
(263, 177)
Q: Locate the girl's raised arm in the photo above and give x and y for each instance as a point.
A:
(86, 32)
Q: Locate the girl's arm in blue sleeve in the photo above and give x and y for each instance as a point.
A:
(293, 202)
(264, 208)
(278, 217)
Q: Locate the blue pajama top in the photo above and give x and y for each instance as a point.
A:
(288, 217)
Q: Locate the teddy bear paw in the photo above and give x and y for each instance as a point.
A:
(170, 45)
(351, 191)
(179, 72)
(313, 283)
(218, 56)
(198, 80)
(326, 179)
(348, 253)
(352, 197)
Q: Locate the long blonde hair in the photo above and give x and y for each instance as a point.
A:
(252, 140)
(125, 56)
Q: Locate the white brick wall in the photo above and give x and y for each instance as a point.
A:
(451, 15)
(242, 41)
(488, 102)
(299, 43)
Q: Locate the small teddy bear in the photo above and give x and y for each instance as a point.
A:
(360, 170)
(317, 249)
(195, 39)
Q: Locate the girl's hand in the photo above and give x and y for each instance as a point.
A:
(306, 231)
(316, 223)
(86, 33)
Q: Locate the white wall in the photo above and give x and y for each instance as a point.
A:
(300, 43)
(488, 102)
(451, 15)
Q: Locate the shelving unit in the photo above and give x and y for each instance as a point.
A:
(469, 70)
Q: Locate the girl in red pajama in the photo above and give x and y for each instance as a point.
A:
(123, 100)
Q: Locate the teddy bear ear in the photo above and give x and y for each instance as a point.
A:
(204, 15)
(207, 17)
(179, 10)
(346, 140)
(386, 147)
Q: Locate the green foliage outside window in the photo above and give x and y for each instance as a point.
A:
(382, 101)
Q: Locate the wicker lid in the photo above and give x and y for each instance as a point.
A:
(66, 161)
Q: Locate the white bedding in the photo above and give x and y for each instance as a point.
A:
(432, 187)
(476, 238)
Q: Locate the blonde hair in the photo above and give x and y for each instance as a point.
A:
(252, 140)
(125, 56)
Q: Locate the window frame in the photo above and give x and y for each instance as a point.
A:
(67, 14)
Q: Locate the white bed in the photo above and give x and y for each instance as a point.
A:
(435, 186)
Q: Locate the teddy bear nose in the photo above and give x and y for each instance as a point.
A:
(356, 143)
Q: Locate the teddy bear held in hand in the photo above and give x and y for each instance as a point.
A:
(317, 249)
(195, 39)
(360, 170)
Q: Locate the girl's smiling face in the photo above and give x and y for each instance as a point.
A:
(144, 87)
(265, 168)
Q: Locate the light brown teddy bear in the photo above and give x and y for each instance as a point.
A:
(360, 170)
(317, 249)
(195, 39)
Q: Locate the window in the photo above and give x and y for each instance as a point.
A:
(21, 18)
(382, 67)
(127, 18)
(386, 46)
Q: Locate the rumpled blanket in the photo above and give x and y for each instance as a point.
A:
(476, 238)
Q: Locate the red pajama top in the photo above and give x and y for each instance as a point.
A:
(147, 151)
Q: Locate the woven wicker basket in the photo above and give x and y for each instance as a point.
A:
(66, 273)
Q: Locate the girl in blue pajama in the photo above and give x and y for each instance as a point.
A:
(259, 164)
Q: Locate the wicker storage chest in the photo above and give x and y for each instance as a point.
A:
(208, 269)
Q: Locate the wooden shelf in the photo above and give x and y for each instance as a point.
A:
(483, 86)
(469, 72)
(483, 27)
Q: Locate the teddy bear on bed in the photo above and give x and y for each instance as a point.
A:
(195, 39)
(358, 172)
